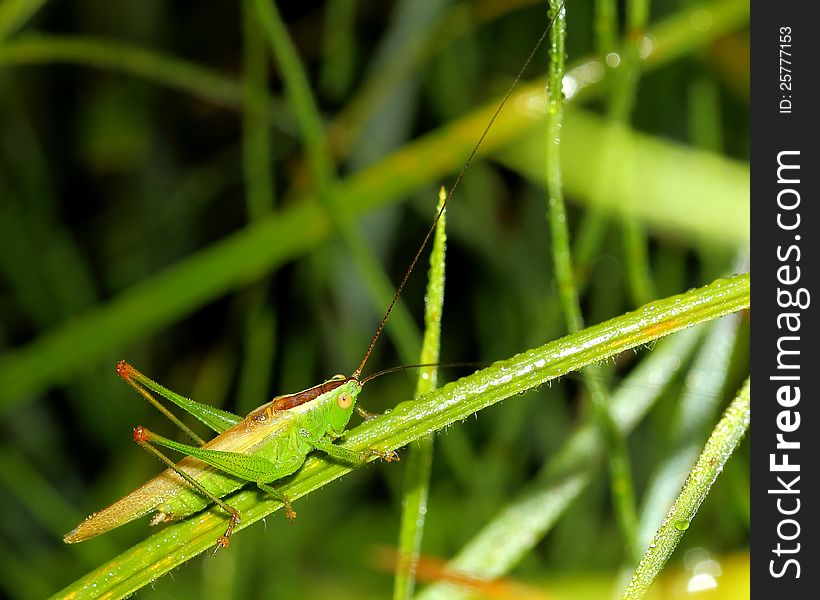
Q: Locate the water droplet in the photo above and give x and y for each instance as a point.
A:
(682, 524)
(701, 582)
(569, 86)
(646, 47)
(613, 59)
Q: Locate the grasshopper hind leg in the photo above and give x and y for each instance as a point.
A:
(143, 437)
(225, 539)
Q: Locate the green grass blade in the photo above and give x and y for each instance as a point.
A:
(299, 92)
(118, 56)
(623, 88)
(712, 210)
(411, 421)
(238, 260)
(338, 48)
(705, 207)
(420, 455)
(257, 164)
(623, 494)
(259, 342)
(370, 122)
(698, 409)
(605, 25)
(673, 38)
(401, 328)
(512, 534)
(725, 437)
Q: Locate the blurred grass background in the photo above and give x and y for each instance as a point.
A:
(157, 204)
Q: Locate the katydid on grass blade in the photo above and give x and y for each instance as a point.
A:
(270, 443)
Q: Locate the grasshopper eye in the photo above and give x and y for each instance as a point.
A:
(345, 401)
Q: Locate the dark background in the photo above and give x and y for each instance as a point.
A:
(108, 177)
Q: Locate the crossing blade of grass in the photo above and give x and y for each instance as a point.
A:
(673, 38)
(623, 495)
(647, 169)
(256, 145)
(697, 410)
(401, 328)
(371, 123)
(336, 75)
(624, 87)
(84, 340)
(412, 420)
(259, 343)
(420, 455)
(525, 520)
(254, 251)
(725, 437)
(115, 55)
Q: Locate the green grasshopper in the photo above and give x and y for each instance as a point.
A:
(270, 443)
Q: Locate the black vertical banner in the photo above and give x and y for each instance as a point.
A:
(785, 167)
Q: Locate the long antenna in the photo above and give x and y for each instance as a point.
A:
(477, 365)
(453, 188)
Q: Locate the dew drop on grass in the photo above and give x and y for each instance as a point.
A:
(682, 524)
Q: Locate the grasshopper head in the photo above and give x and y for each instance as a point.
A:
(340, 403)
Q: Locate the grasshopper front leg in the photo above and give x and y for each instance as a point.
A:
(366, 414)
(349, 456)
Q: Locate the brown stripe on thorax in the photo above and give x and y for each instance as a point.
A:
(299, 398)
